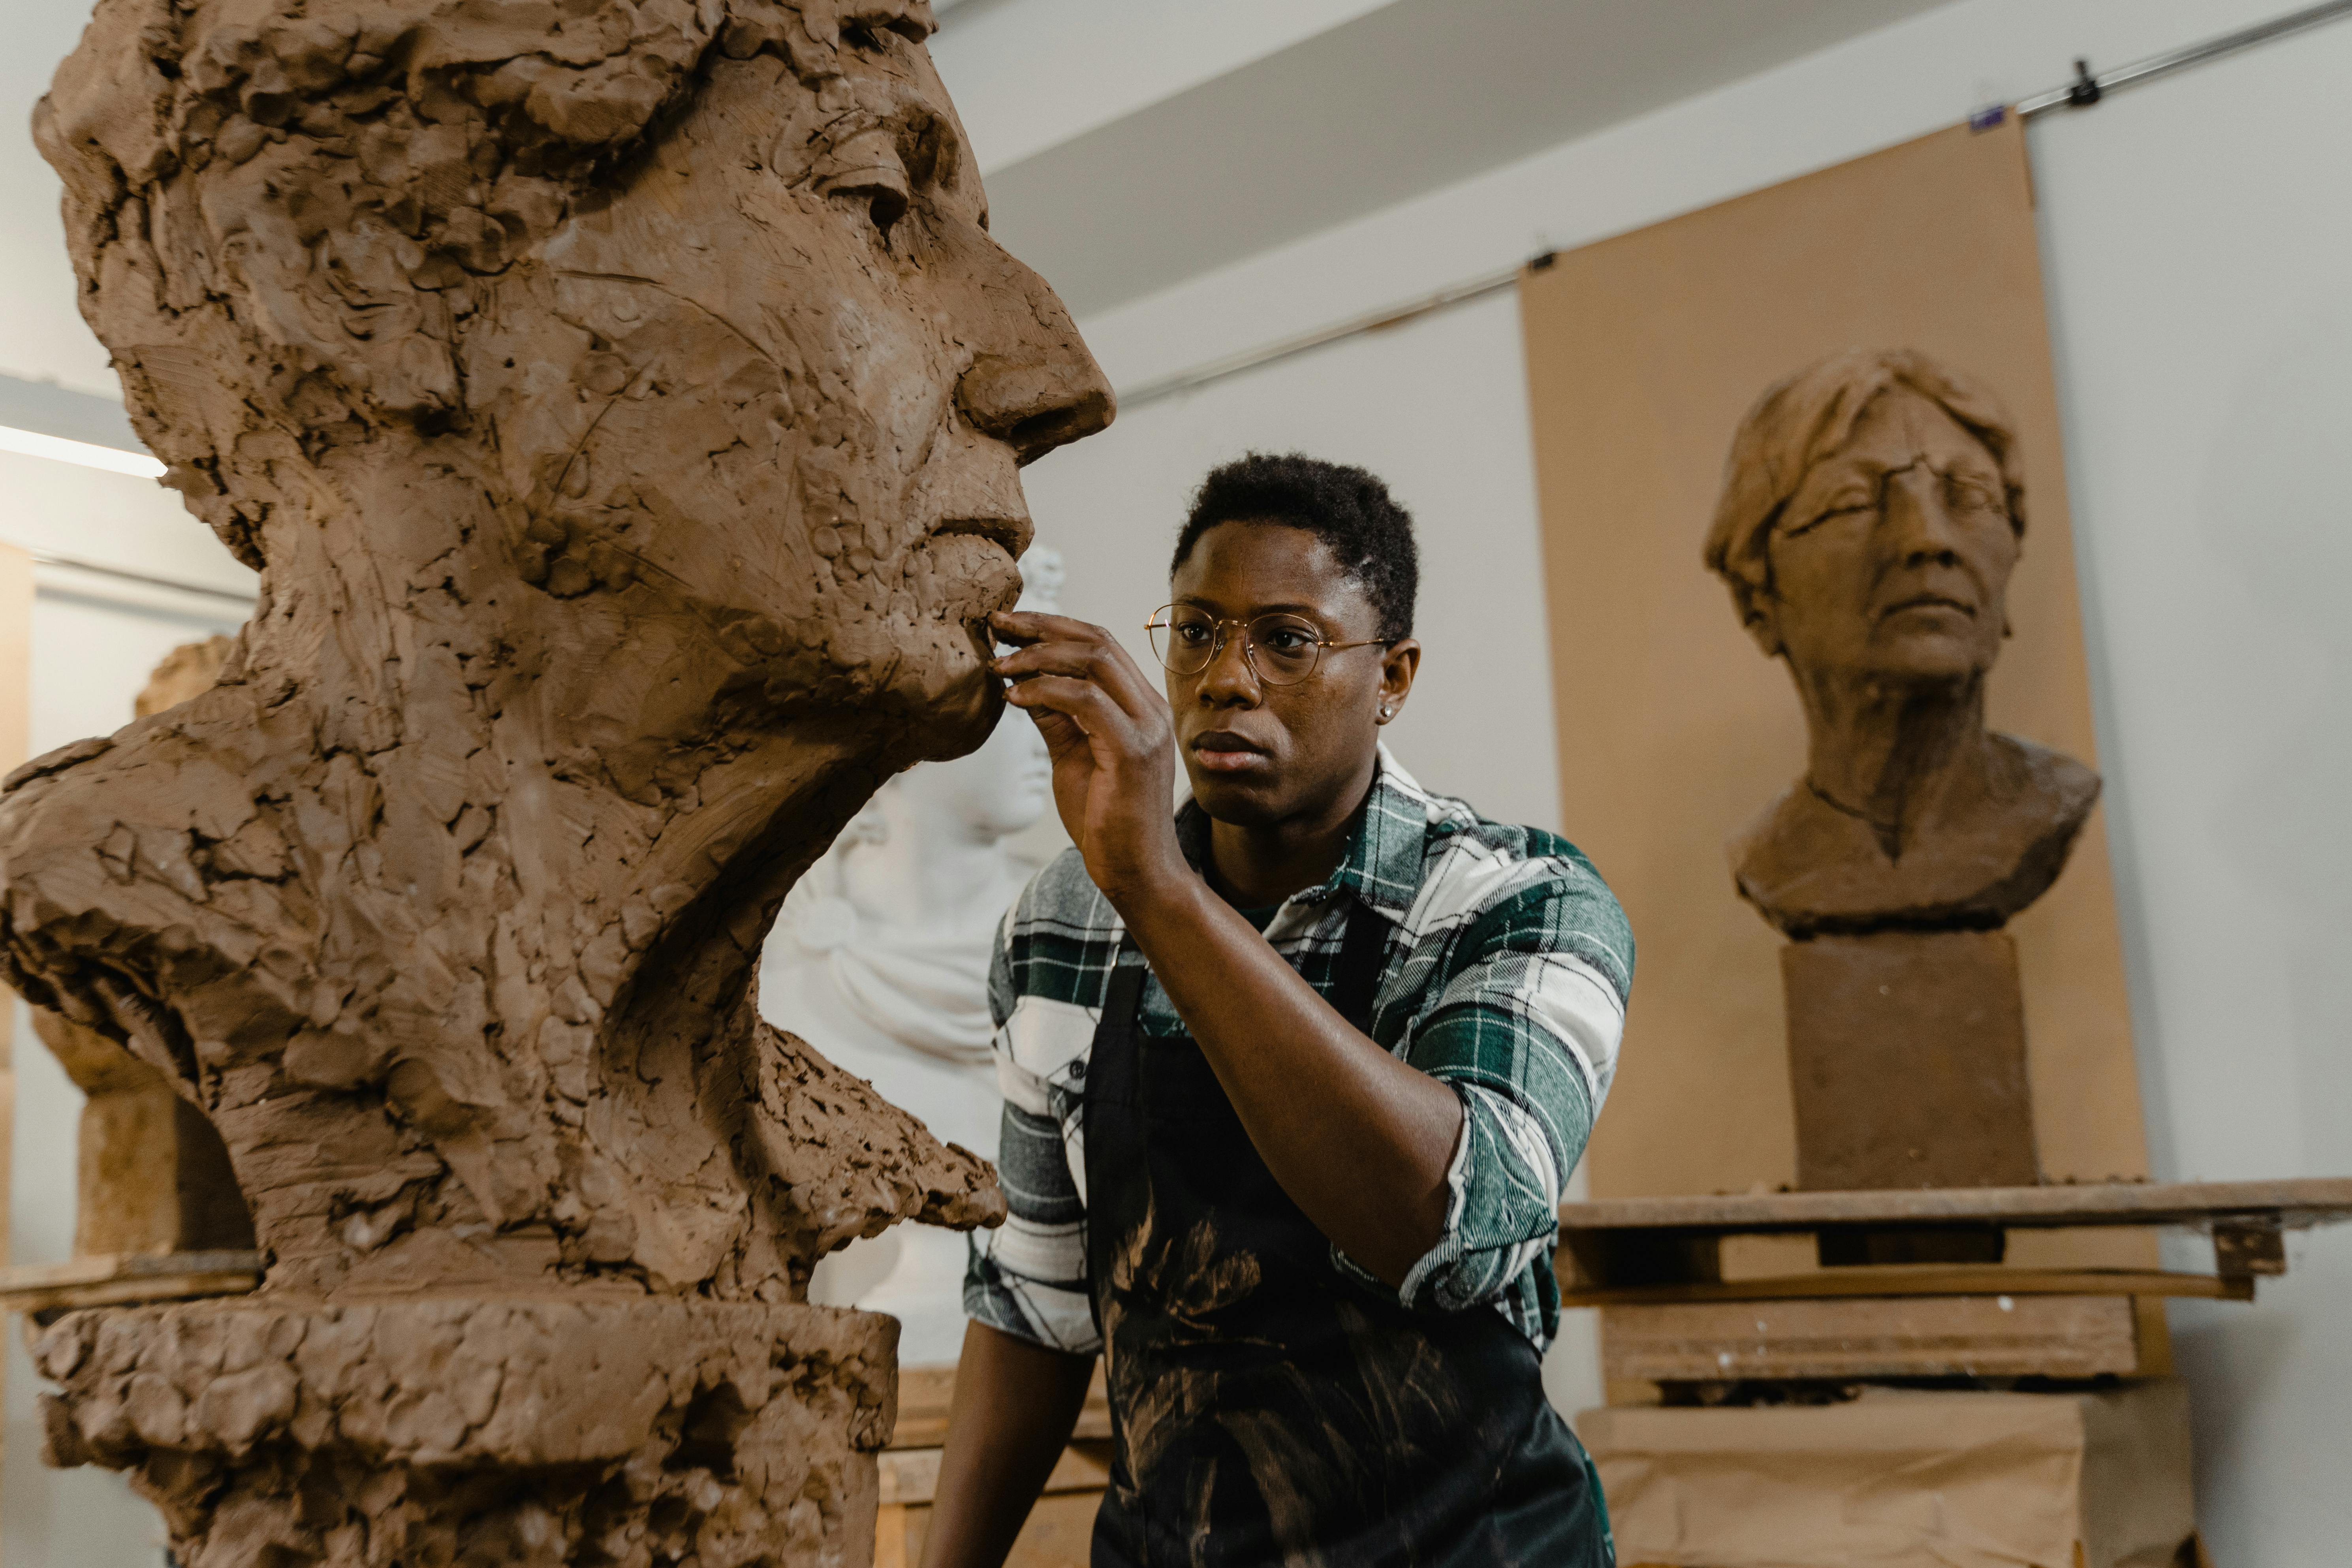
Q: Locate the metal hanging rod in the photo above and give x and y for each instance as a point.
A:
(43, 558)
(2087, 89)
(2083, 91)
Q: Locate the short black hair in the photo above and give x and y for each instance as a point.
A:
(1347, 508)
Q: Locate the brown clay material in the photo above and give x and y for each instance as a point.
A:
(1907, 1051)
(150, 1173)
(1872, 511)
(646, 1431)
(624, 404)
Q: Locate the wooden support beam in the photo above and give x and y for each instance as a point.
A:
(1862, 1338)
(1920, 1279)
(2197, 1204)
(114, 1280)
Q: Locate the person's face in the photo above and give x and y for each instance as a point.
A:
(1259, 754)
(1892, 560)
(781, 386)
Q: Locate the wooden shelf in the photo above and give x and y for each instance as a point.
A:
(2197, 1204)
(121, 1279)
(1922, 1280)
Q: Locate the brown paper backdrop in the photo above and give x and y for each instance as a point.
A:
(1642, 353)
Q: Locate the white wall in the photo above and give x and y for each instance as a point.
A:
(2195, 232)
(2196, 241)
(1031, 74)
(41, 336)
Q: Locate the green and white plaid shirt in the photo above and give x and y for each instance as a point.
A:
(1505, 976)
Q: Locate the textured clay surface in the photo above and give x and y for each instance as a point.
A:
(272, 1431)
(624, 404)
(1907, 1051)
(1872, 513)
(151, 1174)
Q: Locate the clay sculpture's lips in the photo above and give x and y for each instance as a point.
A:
(995, 584)
(1010, 534)
(1223, 751)
(1929, 602)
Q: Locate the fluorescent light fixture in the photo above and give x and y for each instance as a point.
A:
(33, 444)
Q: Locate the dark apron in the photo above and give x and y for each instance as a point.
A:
(1266, 1408)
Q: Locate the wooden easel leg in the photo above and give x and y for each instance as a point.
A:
(890, 1536)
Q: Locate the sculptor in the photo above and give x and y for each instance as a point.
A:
(1871, 512)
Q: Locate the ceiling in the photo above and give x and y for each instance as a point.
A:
(1411, 97)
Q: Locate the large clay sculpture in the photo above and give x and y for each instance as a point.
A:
(1871, 514)
(881, 958)
(622, 403)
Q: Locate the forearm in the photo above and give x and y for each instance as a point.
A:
(1016, 1404)
(1360, 1140)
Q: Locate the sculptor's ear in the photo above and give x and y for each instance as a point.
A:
(1399, 665)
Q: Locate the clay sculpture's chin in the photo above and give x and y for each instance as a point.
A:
(945, 676)
(961, 700)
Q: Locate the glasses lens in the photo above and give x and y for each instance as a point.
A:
(1184, 638)
(1284, 648)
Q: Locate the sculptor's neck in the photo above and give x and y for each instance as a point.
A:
(1886, 752)
(931, 868)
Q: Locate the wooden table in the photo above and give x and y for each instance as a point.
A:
(1672, 1315)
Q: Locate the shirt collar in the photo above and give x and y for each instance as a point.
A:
(1385, 845)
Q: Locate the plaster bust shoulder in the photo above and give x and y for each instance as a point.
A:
(1976, 852)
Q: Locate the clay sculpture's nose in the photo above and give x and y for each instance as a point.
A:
(1037, 401)
(1919, 521)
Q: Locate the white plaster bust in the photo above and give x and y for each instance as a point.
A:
(879, 960)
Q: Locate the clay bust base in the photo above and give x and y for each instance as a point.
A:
(525, 1431)
(1907, 1051)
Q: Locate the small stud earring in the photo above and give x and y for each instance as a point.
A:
(1384, 712)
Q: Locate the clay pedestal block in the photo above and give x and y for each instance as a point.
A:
(1906, 1053)
(537, 1431)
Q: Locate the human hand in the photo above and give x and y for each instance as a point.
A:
(1112, 741)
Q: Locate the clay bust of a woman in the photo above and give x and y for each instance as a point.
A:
(1872, 513)
(624, 405)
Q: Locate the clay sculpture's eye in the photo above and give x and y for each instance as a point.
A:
(866, 167)
(1844, 503)
(1969, 493)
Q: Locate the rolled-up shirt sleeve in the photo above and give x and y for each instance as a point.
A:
(1028, 1277)
(1525, 1030)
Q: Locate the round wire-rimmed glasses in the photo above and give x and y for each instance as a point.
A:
(1281, 649)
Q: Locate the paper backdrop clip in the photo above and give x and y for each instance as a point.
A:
(2084, 90)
